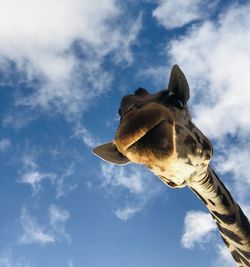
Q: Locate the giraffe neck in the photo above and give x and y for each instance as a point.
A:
(232, 223)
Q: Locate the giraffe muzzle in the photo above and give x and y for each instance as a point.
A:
(137, 122)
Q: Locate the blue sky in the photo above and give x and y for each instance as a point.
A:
(64, 66)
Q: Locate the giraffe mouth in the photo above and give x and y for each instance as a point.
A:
(141, 126)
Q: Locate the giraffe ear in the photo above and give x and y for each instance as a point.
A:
(178, 84)
(109, 153)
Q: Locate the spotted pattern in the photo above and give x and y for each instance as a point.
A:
(211, 202)
(224, 198)
(246, 254)
(236, 256)
(223, 186)
(230, 234)
(199, 196)
(244, 222)
(230, 219)
(168, 182)
(225, 218)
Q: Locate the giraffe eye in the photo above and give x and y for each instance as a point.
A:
(174, 101)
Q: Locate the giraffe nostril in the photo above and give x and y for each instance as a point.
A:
(131, 107)
(138, 106)
(126, 109)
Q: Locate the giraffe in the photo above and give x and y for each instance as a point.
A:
(156, 130)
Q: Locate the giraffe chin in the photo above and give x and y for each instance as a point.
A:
(150, 133)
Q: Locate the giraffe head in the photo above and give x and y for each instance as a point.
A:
(156, 130)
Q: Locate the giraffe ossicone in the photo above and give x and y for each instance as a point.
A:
(157, 130)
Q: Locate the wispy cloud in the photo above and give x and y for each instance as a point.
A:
(71, 263)
(198, 228)
(125, 213)
(224, 257)
(33, 232)
(8, 260)
(33, 176)
(4, 145)
(175, 14)
(133, 181)
(54, 230)
(20, 119)
(155, 74)
(62, 187)
(87, 138)
(58, 217)
(34, 179)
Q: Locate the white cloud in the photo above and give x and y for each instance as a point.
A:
(54, 230)
(125, 213)
(35, 178)
(224, 257)
(235, 161)
(131, 179)
(155, 74)
(134, 181)
(71, 263)
(33, 232)
(58, 217)
(44, 37)
(246, 208)
(87, 138)
(8, 260)
(4, 145)
(29, 160)
(215, 57)
(32, 176)
(178, 13)
(62, 187)
(198, 228)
